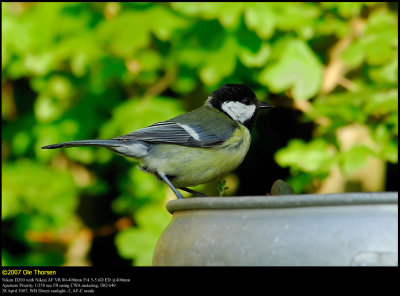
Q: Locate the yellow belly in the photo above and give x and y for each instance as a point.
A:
(193, 166)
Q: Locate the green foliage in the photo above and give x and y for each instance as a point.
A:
(31, 191)
(145, 112)
(378, 43)
(98, 70)
(371, 101)
(37, 199)
(293, 56)
(355, 158)
(315, 156)
(151, 222)
(221, 187)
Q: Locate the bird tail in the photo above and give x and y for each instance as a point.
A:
(99, 143)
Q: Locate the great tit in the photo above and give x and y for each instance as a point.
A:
(193, 148)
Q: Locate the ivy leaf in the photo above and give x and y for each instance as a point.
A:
(164, 22)
(261, 19)
(297, 68)
(383, 102)
(125, 34)
(345, 9)
(378, 43)
(316, 156)
(354, 158)
(212, 10)
(255, 60)
(387, 73)
(390, 151)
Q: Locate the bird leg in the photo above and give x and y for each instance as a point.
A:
(193, 192)
(165, 179)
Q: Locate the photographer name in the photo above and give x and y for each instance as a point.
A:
(28, 272)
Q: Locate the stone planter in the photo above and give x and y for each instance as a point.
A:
(292, 230)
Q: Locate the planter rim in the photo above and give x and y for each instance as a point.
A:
(282, 201)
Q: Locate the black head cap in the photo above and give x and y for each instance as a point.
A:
(238, 102)
(232, 92)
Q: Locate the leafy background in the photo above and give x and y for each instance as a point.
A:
(99, 70)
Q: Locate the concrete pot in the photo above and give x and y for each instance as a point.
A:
(292, 230)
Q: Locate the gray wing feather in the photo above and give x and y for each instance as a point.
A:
(170, 132)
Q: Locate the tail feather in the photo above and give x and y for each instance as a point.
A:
(99, 143)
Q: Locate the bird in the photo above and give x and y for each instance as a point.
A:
(192, 148)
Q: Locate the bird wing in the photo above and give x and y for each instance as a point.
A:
(170, 132)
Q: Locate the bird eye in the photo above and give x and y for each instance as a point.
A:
(246, 101)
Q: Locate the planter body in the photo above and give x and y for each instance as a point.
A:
(293, 230)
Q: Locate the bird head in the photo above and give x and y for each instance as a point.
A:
(238, 102)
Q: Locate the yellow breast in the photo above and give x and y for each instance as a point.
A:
(193, 166)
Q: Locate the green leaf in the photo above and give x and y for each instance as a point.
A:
(21, 142)
(138, 243)
(134, 114)
(390, 151)
(260, 18)
(299, 17)
(392, 121)
(345, 9)
(378, 43)
(386, 141)
(348, 107)
(212, 10)
(145, 185)
(354, 158)
(297, 69)
(387, 73)
(125, 34)
(84, 155)
(220, 63)
(186, 81)
(280, 187)
(164, 22)
(300, 181)
(354, 55)
(232, 12)
(383, 102)
(257, 59)
(316, 156)
(221, 187)
(149, 60)
(25, 182)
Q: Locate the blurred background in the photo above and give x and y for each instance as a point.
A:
(98, 70)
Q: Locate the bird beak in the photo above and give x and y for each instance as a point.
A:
(262, 105)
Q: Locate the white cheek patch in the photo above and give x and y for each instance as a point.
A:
(190, 131)
(238, 111)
